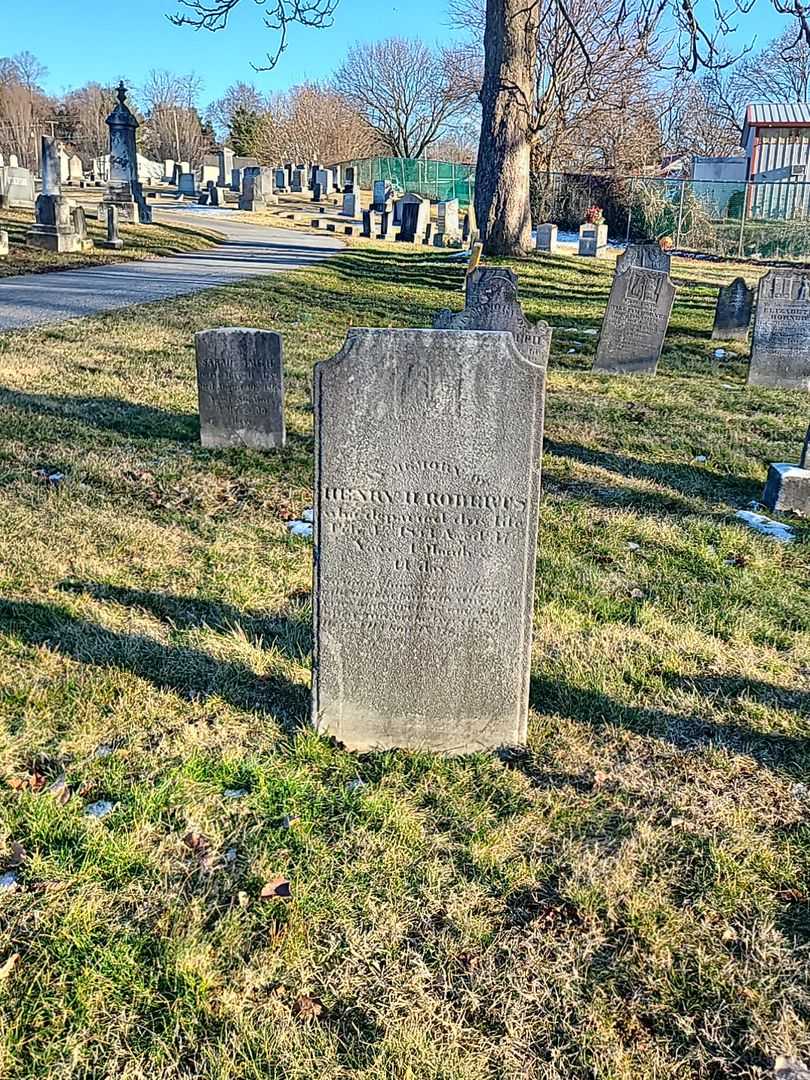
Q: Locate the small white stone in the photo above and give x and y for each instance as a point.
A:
(783, 533)
(719, 354)
(300, 528)
(8, 882)
(700, 458)
(99, 809)
(308, 515)
(234, 793)
(632, 546)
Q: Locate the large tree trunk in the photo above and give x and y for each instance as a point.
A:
(504, 152)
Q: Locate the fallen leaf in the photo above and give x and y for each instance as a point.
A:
(276, 889)
(307, 1008)
(60, 790)
(18, 783)
(197, 843)
(8, 965)
(600, 778)
(36, 781)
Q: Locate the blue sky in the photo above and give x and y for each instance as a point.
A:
(105, 40)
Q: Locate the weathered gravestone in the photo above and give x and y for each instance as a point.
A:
(427, 472)
(547, 238)
(649, 256)
(351, 205)
(60, 224)
(788, 486)
(240, 384)
(635, 323)
(495, 306)
(479, 277)
(780, 347)
(3, 242)
(733, 312)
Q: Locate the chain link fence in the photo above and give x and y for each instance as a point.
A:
(734, 220)
(437, 180)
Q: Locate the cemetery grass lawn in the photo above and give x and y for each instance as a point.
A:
(140, 242)
(627, 898)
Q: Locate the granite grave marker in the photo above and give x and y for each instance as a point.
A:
(732, 315)
(780, 347)
(240, 383)
(635, 323)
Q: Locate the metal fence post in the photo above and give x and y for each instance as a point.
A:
(741, 243)
(680, 216)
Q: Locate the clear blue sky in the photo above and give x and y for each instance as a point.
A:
(104, 40)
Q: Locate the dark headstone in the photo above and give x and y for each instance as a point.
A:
(240, 382)
(648, 256)
(780, 347)
(427, 479)
(733, 312)
(316, 192)
(635, 323)
(489, 279)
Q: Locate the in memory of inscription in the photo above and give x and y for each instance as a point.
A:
(240, 384)
(635, 322)
(733, 312)
(780, 345)
(427, 460)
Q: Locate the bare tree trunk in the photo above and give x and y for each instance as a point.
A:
(504, 152)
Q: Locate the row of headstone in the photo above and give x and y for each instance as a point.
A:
(408, 219)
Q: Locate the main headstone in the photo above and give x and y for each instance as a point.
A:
(732, 315)
(240, 384)
(493, 304)
(351, 205)
(780, 346)
(124, 188)
(650, 256)
(635, 323)
(427, 471)
(788, 486)
(59, 225)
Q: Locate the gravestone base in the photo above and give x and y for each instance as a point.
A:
(112, 245)
(55, 229)
(788, 489)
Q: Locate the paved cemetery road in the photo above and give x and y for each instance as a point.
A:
(248, 250)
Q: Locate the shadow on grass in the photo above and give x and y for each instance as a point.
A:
(686, 731)
(107, 413)
(290, 633)
(686, 480)
(191, 673)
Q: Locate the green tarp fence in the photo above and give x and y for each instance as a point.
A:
(437, 180)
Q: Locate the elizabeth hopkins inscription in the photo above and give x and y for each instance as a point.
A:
(427, 460)
(635, 323)
(240, 383)
(780, 347)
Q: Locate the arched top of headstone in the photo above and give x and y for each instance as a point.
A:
(122, 115)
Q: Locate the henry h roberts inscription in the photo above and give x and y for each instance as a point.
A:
(780, 347)
(427, 460)
(240, 383)
(635, 322)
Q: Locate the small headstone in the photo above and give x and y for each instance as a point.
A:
(732, 315)
(113, 240)
(427, 467)
(351, 205)
(650, 256)
(635, 323)
(547, 238)
(382, 196)
(240, 384)
(187, 184)
(13, 161)
(280, 179)
(593, 240)
(316, 192)
(780, 346)
(414, 216)
(447, 219)
(3, 242)
(788, 486)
